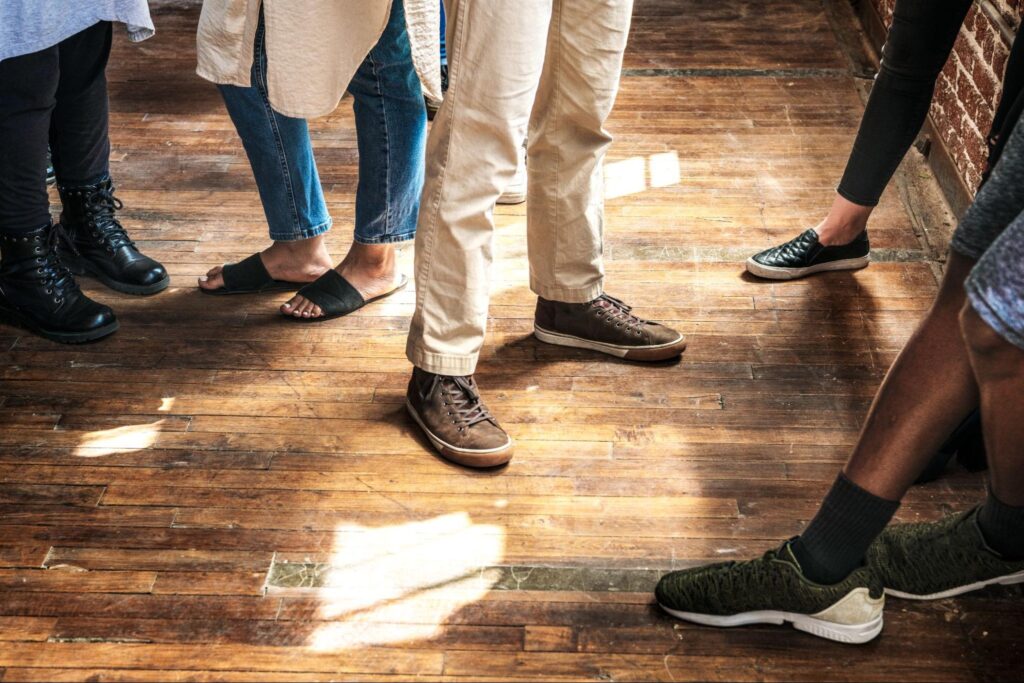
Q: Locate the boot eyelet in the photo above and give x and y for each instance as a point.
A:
(49, 290)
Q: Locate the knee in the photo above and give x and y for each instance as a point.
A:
(982, 341)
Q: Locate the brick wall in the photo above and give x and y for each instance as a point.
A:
(968, 89)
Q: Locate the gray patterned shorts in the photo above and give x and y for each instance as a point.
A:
(992, 232)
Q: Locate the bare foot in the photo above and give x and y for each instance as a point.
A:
(845, 220)
(370, 268)
(298, 261)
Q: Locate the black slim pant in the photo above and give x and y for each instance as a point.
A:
(919, 42)
(57, 96)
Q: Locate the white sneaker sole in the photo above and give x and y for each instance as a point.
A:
(853, 634)
(777, 273)
(470, 457)
(1008, 580)
(858, 607)
(645, 353)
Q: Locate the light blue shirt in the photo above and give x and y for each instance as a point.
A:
(28, 26)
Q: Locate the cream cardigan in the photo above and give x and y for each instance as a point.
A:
(313, 46)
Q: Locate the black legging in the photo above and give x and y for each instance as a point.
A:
(919, 42)
(56, 96)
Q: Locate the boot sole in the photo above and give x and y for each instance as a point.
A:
(1007, 580)
(777, 273)
(79, 267)
(19, 320)
(659, 352)
(477, 459)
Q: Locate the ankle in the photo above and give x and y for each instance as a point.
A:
(837, 232)
(1002, 527)
(374, 259)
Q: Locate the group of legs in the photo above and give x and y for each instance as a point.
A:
(966, 355)
(553, 68)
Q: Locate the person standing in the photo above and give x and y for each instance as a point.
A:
(391, 128)
(53, 90)
(552, 66)
(832, 579)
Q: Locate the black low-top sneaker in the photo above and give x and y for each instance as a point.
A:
(936, 560)
(774, 590)
(804, 255)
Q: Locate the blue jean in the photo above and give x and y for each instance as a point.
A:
(391, 125)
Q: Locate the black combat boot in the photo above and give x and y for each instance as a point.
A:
(101, 247)
(38, 292)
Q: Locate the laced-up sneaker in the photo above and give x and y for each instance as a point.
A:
(606, 325)
(804, 255)
(39, 293)
(774, 590)
(455, 419)
(936, 560)
(100, 246)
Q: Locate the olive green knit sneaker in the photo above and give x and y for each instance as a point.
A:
(773, 590)
(935, 560)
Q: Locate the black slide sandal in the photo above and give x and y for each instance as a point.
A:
(250, 276)
(336, 296)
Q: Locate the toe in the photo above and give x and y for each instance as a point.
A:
(214, 279)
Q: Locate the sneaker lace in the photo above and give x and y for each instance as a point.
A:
(466, 406)
(101, 206)
(616, 310)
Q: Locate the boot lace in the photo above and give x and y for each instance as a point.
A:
(617, 312)
(55, 277)
(463, 401)
(100, 208)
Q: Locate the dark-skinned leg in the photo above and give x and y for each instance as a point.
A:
(927, 392)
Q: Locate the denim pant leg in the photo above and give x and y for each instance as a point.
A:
(391, 127)
(281, 155)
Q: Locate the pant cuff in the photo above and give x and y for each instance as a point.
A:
(441, 363)
(859, 201)
(568, 295)
(386, 239)
(301, 233)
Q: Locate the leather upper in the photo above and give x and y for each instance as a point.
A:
(451, 408)
(89, 217)
(605, 319)
(806, 250)
(36, 283)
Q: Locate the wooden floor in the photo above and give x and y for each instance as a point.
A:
(215, 493)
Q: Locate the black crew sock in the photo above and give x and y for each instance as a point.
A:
(1002, 526)
(835, 541)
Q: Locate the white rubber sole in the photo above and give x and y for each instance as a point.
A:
(852, 634)
(619, 351)
(1008, 580)
(471, 457)
(776, 273)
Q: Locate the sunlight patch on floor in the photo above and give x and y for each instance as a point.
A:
(400, 583)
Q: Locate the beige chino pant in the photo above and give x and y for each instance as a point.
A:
(551, 65)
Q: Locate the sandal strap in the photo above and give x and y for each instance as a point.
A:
(247, 274)
(333, 294)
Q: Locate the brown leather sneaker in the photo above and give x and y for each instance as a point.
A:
(606, 325)
(456, 421)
